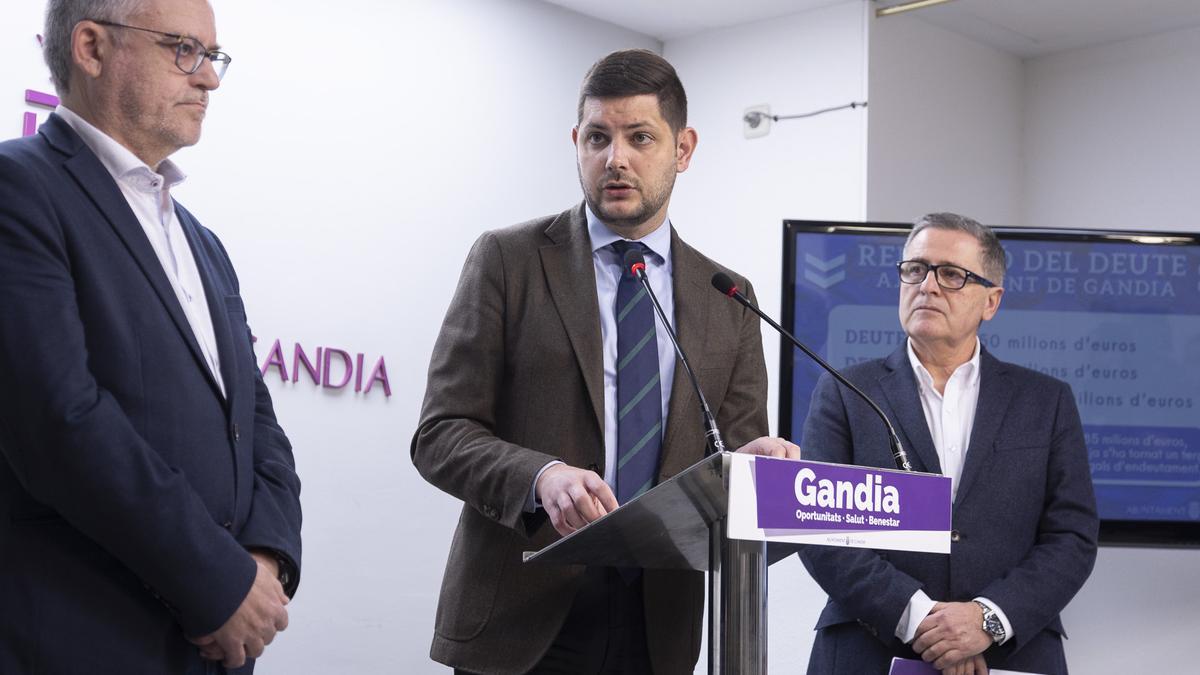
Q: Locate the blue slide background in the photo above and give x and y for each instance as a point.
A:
(1119, 321)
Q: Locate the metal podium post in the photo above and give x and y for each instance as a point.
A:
(737, 607)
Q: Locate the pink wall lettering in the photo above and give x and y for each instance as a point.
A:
(299, 358)
(379, 374)
(345, 365)
(38, 98)
(329, 368)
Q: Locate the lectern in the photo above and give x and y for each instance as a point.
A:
(731, 515)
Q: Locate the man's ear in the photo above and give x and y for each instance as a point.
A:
(90, 46)
(992, 304)
(685, 145)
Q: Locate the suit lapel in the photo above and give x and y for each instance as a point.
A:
(571, 277)
(691, 320)
(101, 188)
(222, 329)
(900, 388)
(995, 393)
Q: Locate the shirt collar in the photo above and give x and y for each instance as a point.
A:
(120, 162)
(658, 241)
(926, 380)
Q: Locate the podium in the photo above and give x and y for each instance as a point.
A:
(732, 515)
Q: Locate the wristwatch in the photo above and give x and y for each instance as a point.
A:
(991, 623)
(285, 572)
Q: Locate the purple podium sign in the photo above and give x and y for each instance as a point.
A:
(911, 667)
(838, 505)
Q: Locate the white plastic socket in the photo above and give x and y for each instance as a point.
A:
(756, 121)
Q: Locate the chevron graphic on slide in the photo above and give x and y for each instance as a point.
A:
(824, 273)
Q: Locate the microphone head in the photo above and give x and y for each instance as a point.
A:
(634, 261)
(723, 283)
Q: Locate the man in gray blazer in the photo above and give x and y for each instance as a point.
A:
(542, 415)
(1024, 514)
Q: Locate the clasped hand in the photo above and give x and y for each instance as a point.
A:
(253, 626)
(952, 638)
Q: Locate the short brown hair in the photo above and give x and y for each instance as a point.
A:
(632, 72)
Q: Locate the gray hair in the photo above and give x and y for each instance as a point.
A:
(992, 253)
(61, 18)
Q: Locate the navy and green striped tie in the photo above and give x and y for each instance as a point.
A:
(639, 392)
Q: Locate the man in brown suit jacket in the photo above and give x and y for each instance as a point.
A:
(520, 396)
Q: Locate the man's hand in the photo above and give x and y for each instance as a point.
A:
(769, 446)
(952, 633)
(253, 626)
(972, 666)
(573, 497)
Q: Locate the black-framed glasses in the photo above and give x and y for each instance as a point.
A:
(190, 53)
(950, 277)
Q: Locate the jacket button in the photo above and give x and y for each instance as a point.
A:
(490, 512)
(954, 535)
(237, 434)
(227, 524)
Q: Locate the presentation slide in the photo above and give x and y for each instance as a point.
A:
(1118, 318)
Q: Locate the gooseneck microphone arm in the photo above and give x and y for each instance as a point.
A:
(636, 264)
(723, 283)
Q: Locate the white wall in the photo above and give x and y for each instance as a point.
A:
(351, 156)
(23, 67)
(945, 130)
(733, 199)
(1112, 137)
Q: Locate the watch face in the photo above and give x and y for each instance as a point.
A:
(991, 623)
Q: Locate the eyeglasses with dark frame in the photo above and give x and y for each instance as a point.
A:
(950, 277)
(190, 53)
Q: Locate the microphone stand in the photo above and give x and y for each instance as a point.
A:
(723, 283)
(636, 263)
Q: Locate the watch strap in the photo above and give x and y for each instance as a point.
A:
(991, 623)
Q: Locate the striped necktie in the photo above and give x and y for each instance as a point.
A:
(639, 394)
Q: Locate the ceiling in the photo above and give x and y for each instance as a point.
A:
(1025, 28)
(670, 19)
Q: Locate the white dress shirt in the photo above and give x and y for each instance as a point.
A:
(608, 275)
(950, 416)
(148, 193)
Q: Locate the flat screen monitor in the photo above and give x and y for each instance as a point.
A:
(1114, 314)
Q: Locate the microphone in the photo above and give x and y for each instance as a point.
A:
(723, 283)
(635, 263)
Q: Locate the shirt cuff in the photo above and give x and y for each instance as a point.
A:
(533, 504)
(919, 606)
(1008, 631)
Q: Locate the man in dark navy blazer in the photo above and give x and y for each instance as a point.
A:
(1024, 513)
(149, 504)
